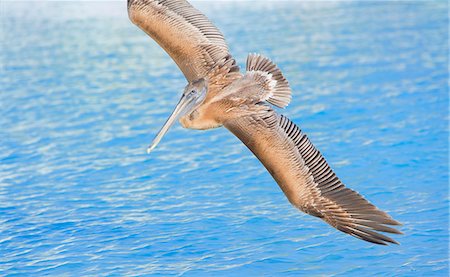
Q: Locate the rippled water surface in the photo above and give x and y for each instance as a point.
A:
(83, 91)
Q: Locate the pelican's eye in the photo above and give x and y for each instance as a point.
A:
(190, 93)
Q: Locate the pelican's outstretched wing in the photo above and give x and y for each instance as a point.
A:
(305, 177)
(187, 35)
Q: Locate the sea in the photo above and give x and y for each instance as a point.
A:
(83, 91)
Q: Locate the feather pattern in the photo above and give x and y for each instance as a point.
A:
(187, 35)
(276, 88)
(306, 178)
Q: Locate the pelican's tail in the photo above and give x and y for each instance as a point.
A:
(265, 72)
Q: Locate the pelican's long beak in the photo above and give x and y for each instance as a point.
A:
(185, 104)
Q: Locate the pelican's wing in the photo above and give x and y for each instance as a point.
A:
(306, 179)
(187, 35)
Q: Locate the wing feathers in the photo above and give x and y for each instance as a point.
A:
(187, 35)
(342, 207)
(306, 178)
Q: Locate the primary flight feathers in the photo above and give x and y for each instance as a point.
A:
(187, 35)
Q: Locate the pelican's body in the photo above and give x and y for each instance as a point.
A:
(218, 94)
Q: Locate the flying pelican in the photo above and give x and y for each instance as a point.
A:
(218, 94)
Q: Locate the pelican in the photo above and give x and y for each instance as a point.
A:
(219, 94)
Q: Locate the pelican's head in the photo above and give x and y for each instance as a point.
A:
(198, 89)
(193, 96)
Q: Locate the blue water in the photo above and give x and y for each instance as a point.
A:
(83, 91)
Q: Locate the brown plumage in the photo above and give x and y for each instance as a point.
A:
(218, 94)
